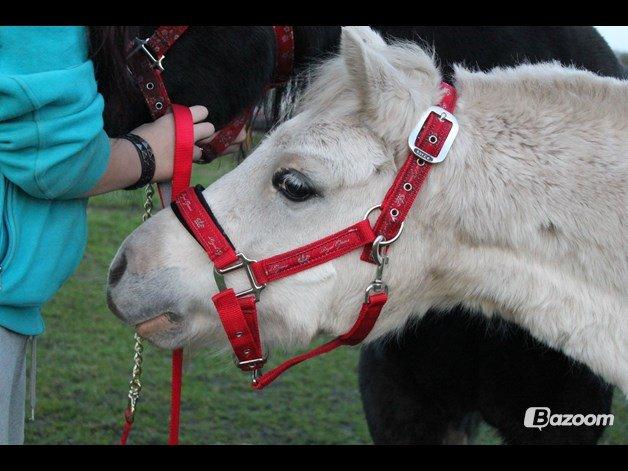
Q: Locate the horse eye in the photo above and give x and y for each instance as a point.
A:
(293, 185)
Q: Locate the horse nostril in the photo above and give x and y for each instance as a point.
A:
(116, 271)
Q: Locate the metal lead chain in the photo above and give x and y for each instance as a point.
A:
(148, 203)
(135, 385)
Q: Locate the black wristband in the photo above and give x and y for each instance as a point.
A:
(147, 160)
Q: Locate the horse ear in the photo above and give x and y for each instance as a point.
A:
(394, 83)
(368, 36)
(379, 85)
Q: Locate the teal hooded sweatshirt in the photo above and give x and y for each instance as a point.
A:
(53, 150)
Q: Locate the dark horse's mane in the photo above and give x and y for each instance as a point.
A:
(224, 68)
(107, 46)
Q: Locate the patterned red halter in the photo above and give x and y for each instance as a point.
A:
(429, 144)
(145, 61)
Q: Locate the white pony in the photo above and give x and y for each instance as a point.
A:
(525, 218)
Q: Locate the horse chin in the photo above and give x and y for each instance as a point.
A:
(165, 330)
(155, 325)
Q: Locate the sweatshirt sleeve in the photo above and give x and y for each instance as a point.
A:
(52, 142)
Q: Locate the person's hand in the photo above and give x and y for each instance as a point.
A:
(160, 135)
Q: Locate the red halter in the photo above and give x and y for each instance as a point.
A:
(429, 143)
(146, 70)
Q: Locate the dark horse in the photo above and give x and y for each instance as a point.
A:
(434, 383)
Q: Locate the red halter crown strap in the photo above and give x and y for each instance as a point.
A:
(429, 144)
(284, 54)
(145, 60)
(434, 132)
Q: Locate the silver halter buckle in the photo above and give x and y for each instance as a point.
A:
(443, 115)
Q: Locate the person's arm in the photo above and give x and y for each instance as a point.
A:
(124, 167)
(52, 142)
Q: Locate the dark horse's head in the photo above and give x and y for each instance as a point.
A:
(225, 68)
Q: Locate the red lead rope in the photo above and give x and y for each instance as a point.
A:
(175, 396)
(182, 170)
(181, 176)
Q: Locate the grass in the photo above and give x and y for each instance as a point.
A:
(85, 359)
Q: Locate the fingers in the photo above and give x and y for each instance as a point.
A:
(235, 145)
(207, 140)
(199, 113)
(203, 131)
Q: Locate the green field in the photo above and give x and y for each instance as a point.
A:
(85, 358)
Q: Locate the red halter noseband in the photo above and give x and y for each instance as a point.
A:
(429, 144)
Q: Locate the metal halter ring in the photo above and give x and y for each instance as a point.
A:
(385, 242)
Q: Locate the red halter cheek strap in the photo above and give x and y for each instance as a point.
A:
(429, 143)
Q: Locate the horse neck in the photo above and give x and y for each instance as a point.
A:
(527, 164)
(510, 222)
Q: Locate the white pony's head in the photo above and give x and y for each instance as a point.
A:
(314, 175)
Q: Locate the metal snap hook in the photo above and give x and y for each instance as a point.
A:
(376, 253)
